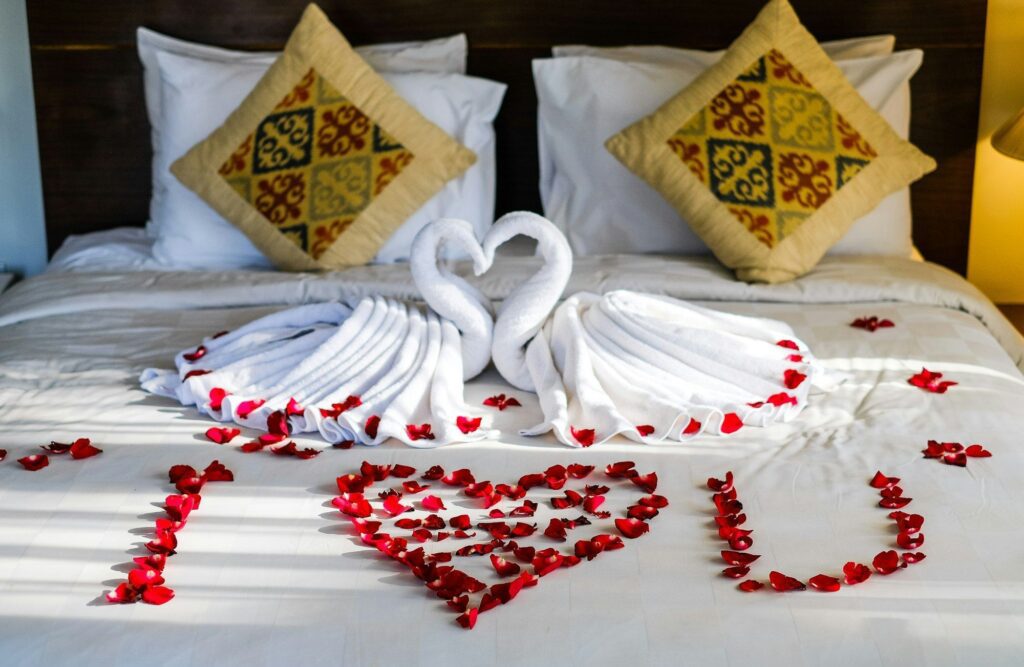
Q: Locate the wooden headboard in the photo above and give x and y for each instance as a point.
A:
(94, 135)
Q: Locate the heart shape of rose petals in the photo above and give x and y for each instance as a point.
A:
(477, 560)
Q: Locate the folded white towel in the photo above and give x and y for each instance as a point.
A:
(363, 372)
(644, 366)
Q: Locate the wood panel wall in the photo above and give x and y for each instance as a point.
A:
(94, 135)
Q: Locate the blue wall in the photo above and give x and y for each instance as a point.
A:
(22, 229)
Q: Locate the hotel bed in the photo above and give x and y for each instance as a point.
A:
(268, 571)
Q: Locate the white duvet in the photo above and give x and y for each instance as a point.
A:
(267, 574)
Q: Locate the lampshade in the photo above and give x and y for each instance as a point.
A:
(1009, 139)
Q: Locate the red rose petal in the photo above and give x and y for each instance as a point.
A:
(419, 432)
(467, 425)
(824, 583)
(216, 472)
(788, 344)
(737, 558)
(721, 485)
(503, 567)
(908, 541)
(34, 462)
(3, 454)
(648, 482)
(195, 356)
(856, 573)
(123, 594)
(246, 408)
(887, 562)
(736, 572)
(195, 373)
(894, 503)
(632, 528)
(157, 595)
(584, 436)
(749, 586)
(692, 427)
(222, 435)
(468, 619)
(217, 396)
(645, 430)
(622, 469)
(784, 583)
(432, 503)
(912, 558)
(371, 426)
(880, 481)
(977, 451)
(56, 448)
(731, 423)
(141, 577)
(793, 378)
(394, 507)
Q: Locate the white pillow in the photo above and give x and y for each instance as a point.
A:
(840, 49)
(605, 209)
(198, 88)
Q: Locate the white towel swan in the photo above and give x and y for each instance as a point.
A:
(363, 372)
(645, 366)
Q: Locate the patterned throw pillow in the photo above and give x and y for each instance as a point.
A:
(323, 160)
(771, 154)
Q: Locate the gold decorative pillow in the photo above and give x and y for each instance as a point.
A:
(770, 155)
(323, 160)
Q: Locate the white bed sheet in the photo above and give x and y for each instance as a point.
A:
(266, 575)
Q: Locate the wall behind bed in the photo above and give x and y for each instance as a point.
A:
(94, 138)
(22, 235)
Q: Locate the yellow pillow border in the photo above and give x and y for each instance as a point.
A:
(316, 43)
(642, 147)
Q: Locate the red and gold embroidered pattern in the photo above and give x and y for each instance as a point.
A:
(313, 164)
(771, 148)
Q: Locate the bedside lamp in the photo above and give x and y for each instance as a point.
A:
(1009, 139)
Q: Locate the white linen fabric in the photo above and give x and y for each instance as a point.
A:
(839, 49)
(383, 364)
(198, 93)
(117, 249)
(267, 573)
(647, 367)
(604, 208)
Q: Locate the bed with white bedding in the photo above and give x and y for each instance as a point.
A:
(268, 572)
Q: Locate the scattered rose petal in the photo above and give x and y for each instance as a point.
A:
(731, 423)
(648, 482)
(419, 432)
(908, 541)
(584, 436)
(371, 426)
(871, 323)
(737, 558)
(246, 408)
(736, 572)
(692, 427)
(929, 381)
(887, 562)
(501, 402)
(749, 586)
(911, 558)
(793, 378)
(34, 462)
(432, 503)
(632, 528)
(645, 430)
(977, 451)
(824, 583)
(784, 583)
(503, 567)
(467, 425)
(880, 481)
(222, 435)
(217, 396)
